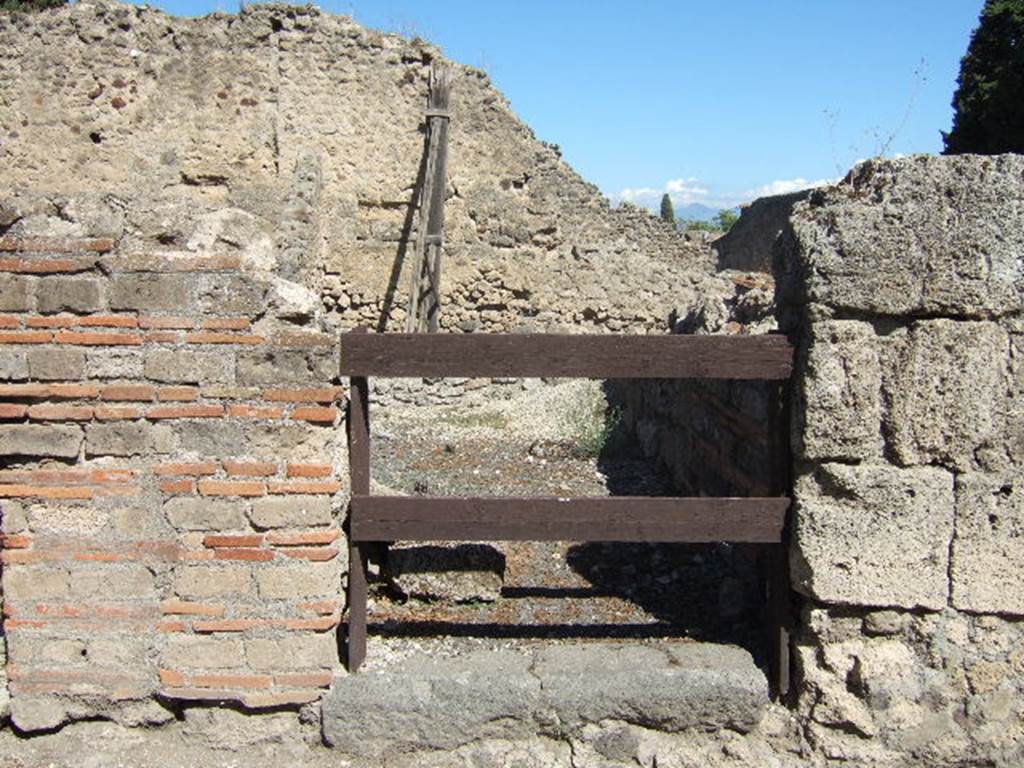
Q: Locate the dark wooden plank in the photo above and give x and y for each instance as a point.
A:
(358, 424)
(776, 560)
(617, 518)
(584, 356)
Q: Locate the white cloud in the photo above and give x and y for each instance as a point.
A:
(638, 194)
(784, 186)
(682, 192)
(685, 191)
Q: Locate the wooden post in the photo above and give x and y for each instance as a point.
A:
(359, 484)
(776, 560)
(425, 285)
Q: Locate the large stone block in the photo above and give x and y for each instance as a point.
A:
(291, 511)
(31, 583)
(190, 367)
(231, 293)
(152, 292)
(126, 438)
(841, 413)
(191, 652)
(988, 551)
(196, 513)
(13, 365)
(113, 582)
(113, 364)
(49, 364)
(213, 437)
(301, 580)
(424, 702)
(73, 294)
(437, 704)
(947, 392)
(212, 581)
(294, 652)
(274, 367)
(15, 293)
(917, 236)
(40, 440)
(873, 535)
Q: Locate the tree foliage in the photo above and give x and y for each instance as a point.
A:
(722, 222)
(668, 214)
(725, 218)
(989, 100)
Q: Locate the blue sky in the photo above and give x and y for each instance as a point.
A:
(713, 102)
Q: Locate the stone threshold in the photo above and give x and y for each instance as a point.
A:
(423, 702)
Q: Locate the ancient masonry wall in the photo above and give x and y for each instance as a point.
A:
(902, 288)
(906, 285)
(172, 485)
(192, 210)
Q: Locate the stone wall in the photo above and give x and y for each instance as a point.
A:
(713, 437)
(171, 492)
(193, 209)
(902, 289)
(314, 125)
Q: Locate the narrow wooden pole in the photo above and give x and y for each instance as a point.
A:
(359, 484)
(776, 560)
(425, 284)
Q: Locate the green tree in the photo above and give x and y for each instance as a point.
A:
(989, 100)
(668, 214)
(29, 6)
(725, 218)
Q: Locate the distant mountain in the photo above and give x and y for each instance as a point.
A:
(696, 212)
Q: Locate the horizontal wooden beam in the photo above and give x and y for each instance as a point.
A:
(615, 518)
(581, 356)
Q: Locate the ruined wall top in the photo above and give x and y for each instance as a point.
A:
(314, 125)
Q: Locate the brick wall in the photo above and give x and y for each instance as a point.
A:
(170, 486)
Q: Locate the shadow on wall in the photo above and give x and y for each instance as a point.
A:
(388, 303)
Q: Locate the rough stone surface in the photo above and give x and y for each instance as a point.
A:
(307, 580)
(14, 293)
(69, 294)
(200, 514)
(988, 550)
(749, 244)
(873, 535)
(40, 440)
(298, 510)
(214, 200)
(923, 236)
(933, 689)
(443, 703)
(841, 395)
(202, 581)
(947, 393)
(462, 573)
(123, 439)
(188, 367)
(673, 688)
(13, 365)
(429, 703)
(56, 364)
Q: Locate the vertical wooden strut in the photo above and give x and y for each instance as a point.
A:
(776, 560)
(359, 483)
(425, 287)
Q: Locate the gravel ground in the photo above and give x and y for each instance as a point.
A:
(558, 440)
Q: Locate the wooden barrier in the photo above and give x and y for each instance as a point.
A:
(377, 520)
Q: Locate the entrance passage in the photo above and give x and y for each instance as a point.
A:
(376, 521)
